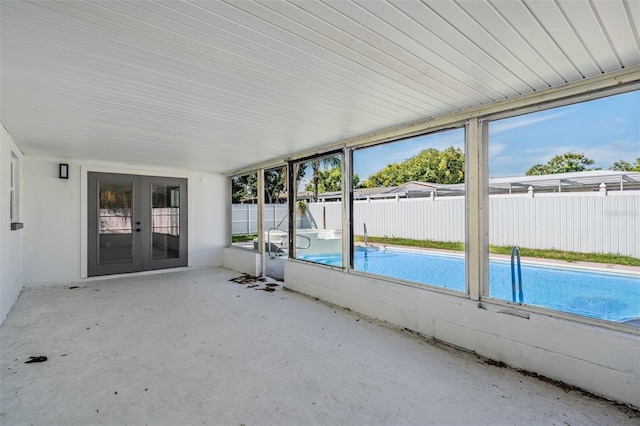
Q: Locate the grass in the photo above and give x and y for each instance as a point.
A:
(243, 238)
(568, 256)
(444, 245)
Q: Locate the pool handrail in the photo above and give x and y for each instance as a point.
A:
(275, 228)
(269, 240)
(306, 238)
(516, 251)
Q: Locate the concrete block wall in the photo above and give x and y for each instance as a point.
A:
(600, 360)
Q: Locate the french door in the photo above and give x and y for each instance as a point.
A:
(136, 223)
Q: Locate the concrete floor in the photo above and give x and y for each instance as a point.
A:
(191, 347)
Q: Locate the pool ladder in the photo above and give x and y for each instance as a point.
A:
(515, 251)
(366, 236)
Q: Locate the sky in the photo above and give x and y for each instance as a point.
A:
(606, 130)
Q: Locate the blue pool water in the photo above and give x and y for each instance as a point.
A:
(614, 297)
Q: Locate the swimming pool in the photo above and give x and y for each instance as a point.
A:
(613, 297)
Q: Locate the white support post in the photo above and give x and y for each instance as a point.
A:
(260, 218)
(229, 209)
(347, 190)
(476, 201)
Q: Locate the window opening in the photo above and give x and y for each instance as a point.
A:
(317, 213)
(275, 221)
(563, 184)
(409, 210)
(244, 211)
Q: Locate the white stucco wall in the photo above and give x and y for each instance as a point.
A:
(598, 359)
(55, 242)
(11, 242)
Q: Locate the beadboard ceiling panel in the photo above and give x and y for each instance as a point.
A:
(218, 85)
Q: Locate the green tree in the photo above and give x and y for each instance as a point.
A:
(429, 165)
(330, 180)
(244, 189)
(316, 165)
(275, 182)
(565, 163)
(625, 166)
(331, 162)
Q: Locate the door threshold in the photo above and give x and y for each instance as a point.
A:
(135, 274)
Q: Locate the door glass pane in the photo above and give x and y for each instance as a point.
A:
(165, 215)
(115, 230)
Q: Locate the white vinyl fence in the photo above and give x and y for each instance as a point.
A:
(165, 220)
(244, 217)
(581, 222)
(588, 223)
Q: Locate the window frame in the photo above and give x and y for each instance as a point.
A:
(456, 125)
(291, 168)
(600, 86)
(258, 204)
(483, 143)
(15, 192)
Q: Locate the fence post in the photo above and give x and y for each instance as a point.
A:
(248, 219)
(530, 191)
(603, 189)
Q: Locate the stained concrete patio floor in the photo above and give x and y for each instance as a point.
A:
(191, 347)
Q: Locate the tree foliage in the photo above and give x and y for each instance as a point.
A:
(244, 189)
(317, 166)
(275, 182)
(429, 165)
(565, 163)
(625, 166)
(330, 180)
(119, 198)
(331, 163)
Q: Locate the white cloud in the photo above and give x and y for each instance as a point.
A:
(604, 155)
(525, 120)
(608, 123)
(495, 148)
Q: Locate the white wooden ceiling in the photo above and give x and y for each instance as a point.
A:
(218, 85)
